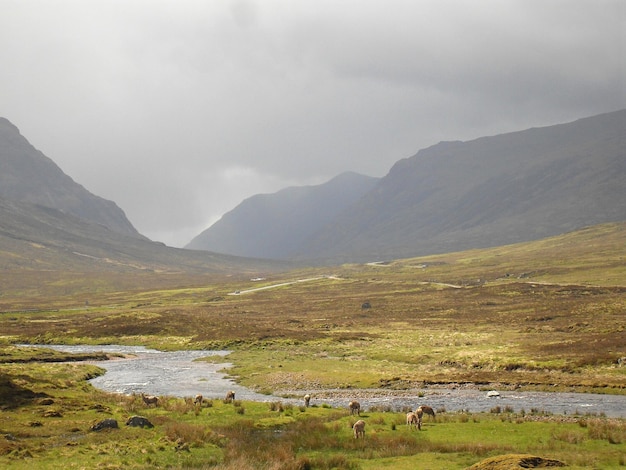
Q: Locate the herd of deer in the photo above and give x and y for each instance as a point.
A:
(198, 400)
(413, 418)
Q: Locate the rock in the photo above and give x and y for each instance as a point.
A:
(139, 421)
(513, 461)
(108, 423)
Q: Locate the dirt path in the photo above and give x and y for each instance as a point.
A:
(282, 284)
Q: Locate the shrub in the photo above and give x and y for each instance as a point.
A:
(611, 430)
(377, 420)
(571, 437)
(276, 406)
(334, 462)
(187, 433)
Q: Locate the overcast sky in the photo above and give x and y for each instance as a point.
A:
(178, 110)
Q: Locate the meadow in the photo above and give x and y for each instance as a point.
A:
(547, 315)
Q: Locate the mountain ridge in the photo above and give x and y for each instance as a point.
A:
(48, 222)
(493, 190)
(488, 191)
(27, 175)
(277, 224)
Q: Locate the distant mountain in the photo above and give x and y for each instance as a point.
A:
(491, 191)
(453, 196)
(275, 226)
(27, 175)
(50, 223)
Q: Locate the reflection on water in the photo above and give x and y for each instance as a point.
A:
(178, 374)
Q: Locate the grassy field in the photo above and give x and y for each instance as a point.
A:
(50, 423)
(546, 315)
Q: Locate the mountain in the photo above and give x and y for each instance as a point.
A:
(275, 226)
(27, 175)
(50, 223)
(490, 191)
(495, 190)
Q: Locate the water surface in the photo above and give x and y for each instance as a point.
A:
(179, 374)
(154, 372)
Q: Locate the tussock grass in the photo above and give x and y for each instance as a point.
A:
(611, 430)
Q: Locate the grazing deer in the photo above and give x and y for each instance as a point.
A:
(230, 396)
(426, 410)
(412, 421)
(307, 400)
(355, 407)
(150, 400)
(359, 429)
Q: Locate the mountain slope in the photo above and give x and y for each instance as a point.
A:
(493, 190)
(275, 226)
(50, 223)
(38, 238)
(27, 175)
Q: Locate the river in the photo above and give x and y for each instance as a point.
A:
(179, 374)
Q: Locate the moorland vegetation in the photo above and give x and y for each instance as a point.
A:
(543, 315)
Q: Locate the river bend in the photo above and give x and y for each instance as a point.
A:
(179, 374)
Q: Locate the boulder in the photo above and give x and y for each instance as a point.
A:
(139, 421)
(108, 423)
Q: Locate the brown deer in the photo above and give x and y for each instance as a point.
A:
(359, 429)
(412, 421)
(426, 410)
(150, 400)
(355, 407)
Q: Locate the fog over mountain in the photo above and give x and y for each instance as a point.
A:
(49, 223)
(27, 175)
(451, 196)
(276, 225)
(454, 195)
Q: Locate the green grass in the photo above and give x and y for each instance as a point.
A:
(543, 315)
(48, 410)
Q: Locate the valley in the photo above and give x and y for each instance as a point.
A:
(543, 316)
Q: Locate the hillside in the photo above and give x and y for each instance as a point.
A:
(49, 223)
(275, 226)
(487, 192)
(27, 175)
(38, 238)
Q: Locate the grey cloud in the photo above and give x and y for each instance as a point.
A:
(180, 110)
